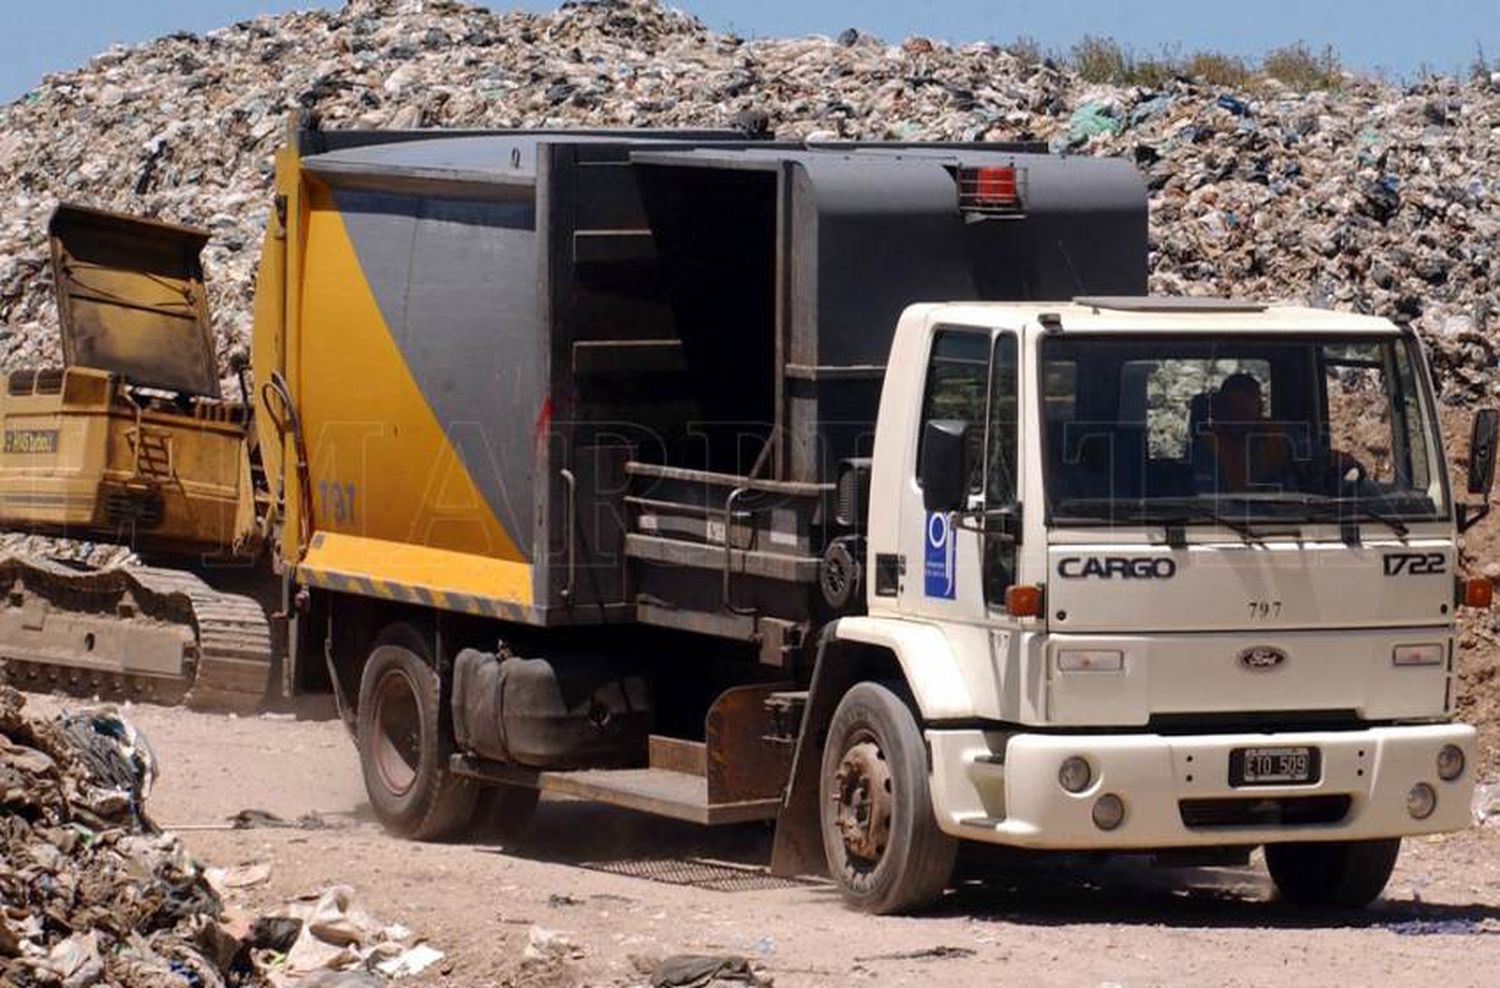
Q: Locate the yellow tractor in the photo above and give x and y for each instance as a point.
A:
(131, 440)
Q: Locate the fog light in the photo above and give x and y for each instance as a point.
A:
(1450, 762)
(1075, 774)
(1421, 801)
(1109, 811)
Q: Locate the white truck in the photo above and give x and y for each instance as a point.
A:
(758, 539)
(1127, 615)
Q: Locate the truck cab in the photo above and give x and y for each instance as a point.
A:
(1158, 574)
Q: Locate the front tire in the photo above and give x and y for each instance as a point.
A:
(404, 745)
(882, 841)
(1346, 874)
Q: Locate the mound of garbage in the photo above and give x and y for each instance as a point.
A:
(93, 892)
(90, 890)
(1374, 197)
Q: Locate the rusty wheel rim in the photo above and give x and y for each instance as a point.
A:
(398, 733)
(863, 801)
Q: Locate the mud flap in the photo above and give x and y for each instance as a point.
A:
(798, 846)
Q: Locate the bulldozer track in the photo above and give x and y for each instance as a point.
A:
(222, 641)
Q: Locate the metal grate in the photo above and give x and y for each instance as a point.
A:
(698, 873)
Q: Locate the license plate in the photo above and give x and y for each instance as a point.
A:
(1273, 766)
(31, 440)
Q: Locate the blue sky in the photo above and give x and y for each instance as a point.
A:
(1398, 36)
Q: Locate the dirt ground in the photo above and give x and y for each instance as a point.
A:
(585, 872)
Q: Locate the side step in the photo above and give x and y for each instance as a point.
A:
(734, 775)
(660, 791)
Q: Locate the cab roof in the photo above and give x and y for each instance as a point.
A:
(1163, 314)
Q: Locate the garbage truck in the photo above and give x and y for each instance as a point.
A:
(859, 488)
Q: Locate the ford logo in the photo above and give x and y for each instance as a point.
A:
(1262, 657)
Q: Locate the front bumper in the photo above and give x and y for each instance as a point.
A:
(1003, 788)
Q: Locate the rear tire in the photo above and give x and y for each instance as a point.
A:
(882, 841)
(405, 744)
(1346, 874)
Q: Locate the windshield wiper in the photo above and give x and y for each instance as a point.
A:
(1205, 511)
(1148, 511)
(1352, 511)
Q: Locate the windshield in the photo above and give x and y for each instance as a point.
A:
(1192, 430)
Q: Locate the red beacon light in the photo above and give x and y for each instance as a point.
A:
(990, 190)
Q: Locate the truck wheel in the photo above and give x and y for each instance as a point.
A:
(505, 811)
(1348, 874)
(404, 746)
(883, 844)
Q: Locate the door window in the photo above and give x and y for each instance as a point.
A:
(1002, 469)
(957, 382)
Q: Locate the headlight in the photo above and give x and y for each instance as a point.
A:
(1417, 655)
(1421, 801)
(1075, 774)
(1450, 762)
(1090, 660)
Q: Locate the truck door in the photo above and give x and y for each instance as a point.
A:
(959, 566)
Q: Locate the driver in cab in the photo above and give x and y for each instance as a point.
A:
(1240, 449)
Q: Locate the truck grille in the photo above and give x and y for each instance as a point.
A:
(1262, 811)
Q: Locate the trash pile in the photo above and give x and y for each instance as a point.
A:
(329, 939)
(92, 892)
(1375, 198)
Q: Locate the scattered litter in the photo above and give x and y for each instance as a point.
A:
(699, 970)
(332, 931)
(1437, 927)
(243, 876)
(413, 961)
(275, 933)
(543, 944)
(253, 819)
(941, 952)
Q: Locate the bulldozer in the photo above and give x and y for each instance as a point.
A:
(133, 441)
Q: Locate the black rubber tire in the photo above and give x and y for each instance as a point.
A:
(434, 803)
(505, 812)
(917, 862)
(1345, 874)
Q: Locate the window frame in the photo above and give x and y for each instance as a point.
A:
(1421, 372)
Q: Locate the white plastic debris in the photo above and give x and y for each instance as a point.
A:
(413, 961)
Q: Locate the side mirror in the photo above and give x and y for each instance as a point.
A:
(945, 467)
(1482, 451)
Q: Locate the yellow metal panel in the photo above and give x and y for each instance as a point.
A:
(397, 570)
(381, 465)
(79, 456)
(268, 341)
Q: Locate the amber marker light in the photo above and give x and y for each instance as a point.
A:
(1023, 600)
(1478, 592)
